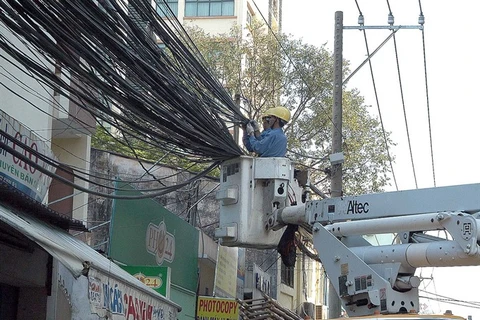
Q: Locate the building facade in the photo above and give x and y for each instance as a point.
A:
(47, 271)
(219, 16)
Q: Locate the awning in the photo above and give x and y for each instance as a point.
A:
(74, 254)
(15, 198)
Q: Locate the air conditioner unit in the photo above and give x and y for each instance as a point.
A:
(321, 312)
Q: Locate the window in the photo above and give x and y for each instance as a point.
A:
(287, 275)
(249, 18)
(209, 8)
(162, 8)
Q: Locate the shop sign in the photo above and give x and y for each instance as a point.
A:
(225, 284)
(21, 174)
(115, 300)
(160, 243)
(157, 278)
(144, 233)
(210, 308)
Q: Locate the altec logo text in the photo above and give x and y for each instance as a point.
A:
(357, 207)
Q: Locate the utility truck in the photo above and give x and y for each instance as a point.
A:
(260, 196)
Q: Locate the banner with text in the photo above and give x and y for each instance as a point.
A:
(117, 301)
(157, 278)
(15, 170)
(144, 233)
(210, 308)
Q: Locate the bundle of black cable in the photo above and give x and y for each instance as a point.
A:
(286, 246)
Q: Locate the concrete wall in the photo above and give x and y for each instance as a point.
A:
(25, 103)
(76, 152)
(29, 101)
(183, 202)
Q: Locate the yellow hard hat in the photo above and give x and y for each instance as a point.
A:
(279, 112)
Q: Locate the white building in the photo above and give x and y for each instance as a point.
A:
(218, 16)
(64, 126)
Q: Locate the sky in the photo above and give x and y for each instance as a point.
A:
(452, 68)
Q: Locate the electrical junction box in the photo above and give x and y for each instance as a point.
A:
(336, 158)
(251, 189)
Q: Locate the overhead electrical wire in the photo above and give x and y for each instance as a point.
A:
(402, 97)
(445, 299)
(43, 168)
(78, 173)
(42, 163)
(300, 110)
(376, 99)
(393, 31)
(46, 99)
(421, 20)
(169, 98)
(376, 95)
(110, 59)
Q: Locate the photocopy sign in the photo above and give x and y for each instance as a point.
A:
(210, 308)
(18, 172)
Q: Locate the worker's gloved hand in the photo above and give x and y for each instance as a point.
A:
(255, 125)
(249, 128)
(244, 125)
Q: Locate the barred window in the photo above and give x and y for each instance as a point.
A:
(287, 275)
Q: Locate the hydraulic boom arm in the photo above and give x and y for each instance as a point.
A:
(262, 195)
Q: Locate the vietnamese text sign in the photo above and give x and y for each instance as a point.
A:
(117, 301)
(19, 173)
(210, 308)
(160, 243)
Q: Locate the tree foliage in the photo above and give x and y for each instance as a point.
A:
(128, 146)
(268, 69)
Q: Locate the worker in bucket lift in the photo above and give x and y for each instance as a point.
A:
(272, 142)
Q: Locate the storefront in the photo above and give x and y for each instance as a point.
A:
(144, 233)
(46, 273)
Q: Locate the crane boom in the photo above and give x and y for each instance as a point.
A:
(260, 196)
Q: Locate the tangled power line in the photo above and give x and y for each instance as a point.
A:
(127, 67)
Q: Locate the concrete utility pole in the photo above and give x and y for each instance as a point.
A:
(236, 133)
(336, 158)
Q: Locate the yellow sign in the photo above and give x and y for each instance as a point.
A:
(226, 272)
(210, 308)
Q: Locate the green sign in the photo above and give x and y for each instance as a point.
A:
(157, 278)
(144, 233)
